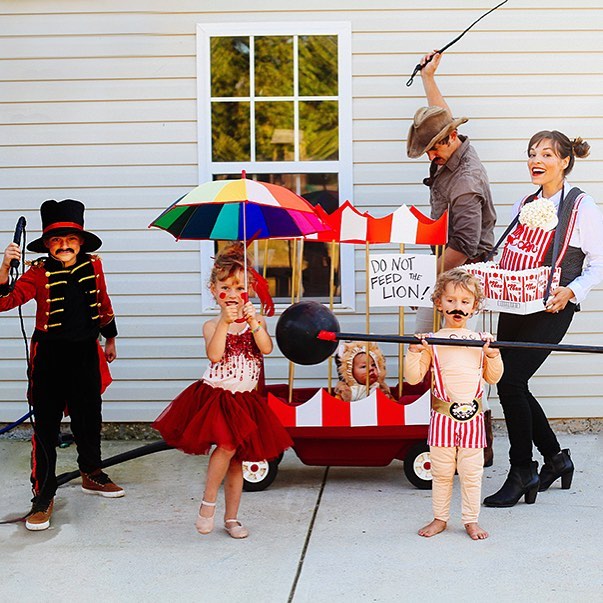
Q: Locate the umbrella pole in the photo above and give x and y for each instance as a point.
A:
(245, 243)
(265, 265)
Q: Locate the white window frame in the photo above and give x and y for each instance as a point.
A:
(343, 165)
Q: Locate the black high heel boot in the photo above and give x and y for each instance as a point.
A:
(488, 450)
(558, 466)
(520, 481)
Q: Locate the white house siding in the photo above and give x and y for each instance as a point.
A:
(98, 103)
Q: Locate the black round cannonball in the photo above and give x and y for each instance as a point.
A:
(296, 332)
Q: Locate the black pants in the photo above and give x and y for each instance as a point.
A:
(525, 418)
(65, 376)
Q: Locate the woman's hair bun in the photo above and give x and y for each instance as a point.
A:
(580, 147)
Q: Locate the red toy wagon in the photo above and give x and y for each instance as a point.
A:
(371, 432)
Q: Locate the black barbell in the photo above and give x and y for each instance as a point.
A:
(307, 333)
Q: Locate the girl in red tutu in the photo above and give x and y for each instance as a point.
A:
(223, 407)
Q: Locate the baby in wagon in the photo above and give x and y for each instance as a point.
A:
(353, 365)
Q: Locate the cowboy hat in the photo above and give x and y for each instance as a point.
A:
(60, 218)
(430, 125)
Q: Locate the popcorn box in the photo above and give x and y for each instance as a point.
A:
(514, 288)
(513, 291)
(530, 287)
(494, 284)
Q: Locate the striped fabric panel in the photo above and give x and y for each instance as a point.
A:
(444, 431)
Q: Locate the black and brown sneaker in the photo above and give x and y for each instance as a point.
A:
(100, 483)
(39, 516)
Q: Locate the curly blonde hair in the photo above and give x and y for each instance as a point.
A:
(229, 262)
(459, 278)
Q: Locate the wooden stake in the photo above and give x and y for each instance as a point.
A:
(367, 313)
(331, 304)
(293, 281)
(401, 347)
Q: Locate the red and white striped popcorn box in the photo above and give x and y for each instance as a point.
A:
(479, 271)
(556, 278)
(495, 283)
(530, 285)
(542, 279)
(514, 288)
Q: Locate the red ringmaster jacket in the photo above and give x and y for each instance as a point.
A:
(45, 281)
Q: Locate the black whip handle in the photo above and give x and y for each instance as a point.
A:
(21, 222)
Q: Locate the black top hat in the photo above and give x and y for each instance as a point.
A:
(60, 218)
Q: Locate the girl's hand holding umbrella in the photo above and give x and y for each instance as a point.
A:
(249, 315)
(230, 314)
(258, 330)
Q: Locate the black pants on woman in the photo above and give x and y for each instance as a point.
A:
(525, 418)
(65, 377)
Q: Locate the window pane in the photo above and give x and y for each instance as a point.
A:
(274, 258)
(229, 66)
(319, 132)
(323, 190)
(274, 131)
(318, 65)
(273, 66)
(320, 189)
(230, 132)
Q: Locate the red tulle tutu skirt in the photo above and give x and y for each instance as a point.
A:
(203, 415)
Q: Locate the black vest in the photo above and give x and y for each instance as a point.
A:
(573, 261)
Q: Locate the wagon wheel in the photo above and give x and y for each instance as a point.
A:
(258, 475)
(417, 466)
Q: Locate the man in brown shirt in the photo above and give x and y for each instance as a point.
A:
(458, 181)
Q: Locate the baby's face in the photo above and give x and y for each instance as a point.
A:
(359, 368)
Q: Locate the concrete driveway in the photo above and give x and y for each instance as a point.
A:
(317, 535)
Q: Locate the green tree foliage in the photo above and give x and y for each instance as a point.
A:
(273, 66)
(229, 66)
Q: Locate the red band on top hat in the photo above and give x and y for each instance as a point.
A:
(57, 225)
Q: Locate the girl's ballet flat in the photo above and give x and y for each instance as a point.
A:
(235, 529)
(205, 525)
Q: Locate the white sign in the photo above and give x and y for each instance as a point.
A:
(401, 279)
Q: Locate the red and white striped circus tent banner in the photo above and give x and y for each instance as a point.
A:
(405, 225)
(324, 410)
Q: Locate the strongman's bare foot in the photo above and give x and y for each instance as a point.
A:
(433, 528)
(475, 531)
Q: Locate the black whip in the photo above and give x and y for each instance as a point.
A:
(419, 66)
(20, 238)
(159, 446)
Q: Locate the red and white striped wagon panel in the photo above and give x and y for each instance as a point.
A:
(324, 410)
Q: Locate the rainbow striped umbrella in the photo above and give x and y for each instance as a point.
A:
(234, 210)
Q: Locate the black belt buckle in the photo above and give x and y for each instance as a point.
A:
(464, 412)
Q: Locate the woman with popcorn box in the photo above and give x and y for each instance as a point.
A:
(558, 229)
